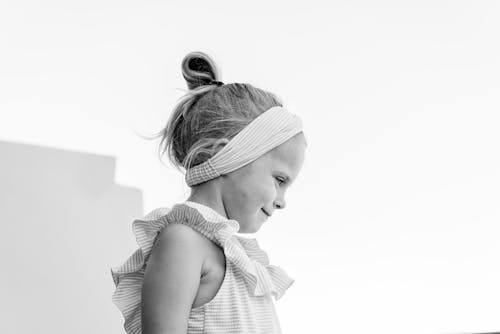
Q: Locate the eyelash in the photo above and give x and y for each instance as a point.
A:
(280, 180)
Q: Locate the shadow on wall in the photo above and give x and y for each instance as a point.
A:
(62, 220)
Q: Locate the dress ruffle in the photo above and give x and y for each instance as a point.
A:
(245, 254)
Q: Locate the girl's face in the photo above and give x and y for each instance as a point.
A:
(252, 193)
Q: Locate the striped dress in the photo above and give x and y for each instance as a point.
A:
(243, 303)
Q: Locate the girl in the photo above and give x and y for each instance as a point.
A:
(241, 150)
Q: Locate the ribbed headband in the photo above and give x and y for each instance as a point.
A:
(270, 129)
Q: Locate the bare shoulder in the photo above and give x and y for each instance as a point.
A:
(178, 244)
(172, 279)
(180, 233)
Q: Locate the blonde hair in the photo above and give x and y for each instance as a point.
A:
(210, 114)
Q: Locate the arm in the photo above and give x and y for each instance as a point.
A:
(171, 280)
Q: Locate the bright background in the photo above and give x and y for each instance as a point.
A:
(393, 225)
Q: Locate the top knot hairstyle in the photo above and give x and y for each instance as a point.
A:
(210, 114)
(199, 70)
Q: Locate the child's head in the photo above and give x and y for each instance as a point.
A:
(246, 181)
(210, 114)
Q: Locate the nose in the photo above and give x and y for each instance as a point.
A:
(279, 204)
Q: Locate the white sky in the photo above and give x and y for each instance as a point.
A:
(393, 225)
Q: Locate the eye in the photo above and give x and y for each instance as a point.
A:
(280, 180)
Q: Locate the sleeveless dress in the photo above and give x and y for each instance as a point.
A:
(243, 303)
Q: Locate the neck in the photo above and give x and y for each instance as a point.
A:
(208, 193)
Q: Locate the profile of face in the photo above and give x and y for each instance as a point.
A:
(251, 193)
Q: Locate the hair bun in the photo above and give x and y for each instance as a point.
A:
(199, 69)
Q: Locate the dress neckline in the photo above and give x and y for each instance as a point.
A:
(213, 216)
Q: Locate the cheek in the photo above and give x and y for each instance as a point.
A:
(256, 193)
(267, 191)
(251, 189)
(241, 193)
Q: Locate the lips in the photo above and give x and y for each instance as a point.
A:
(266, 213)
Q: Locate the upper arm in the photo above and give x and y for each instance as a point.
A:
(171, 280)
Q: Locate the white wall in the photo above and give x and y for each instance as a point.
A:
(64, 224)
(393, 224)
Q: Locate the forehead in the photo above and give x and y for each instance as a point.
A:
(289, 155)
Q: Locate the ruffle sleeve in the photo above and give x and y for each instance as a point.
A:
(261, 277)
(129, 276)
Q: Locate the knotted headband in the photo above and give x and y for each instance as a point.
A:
(270, 129)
